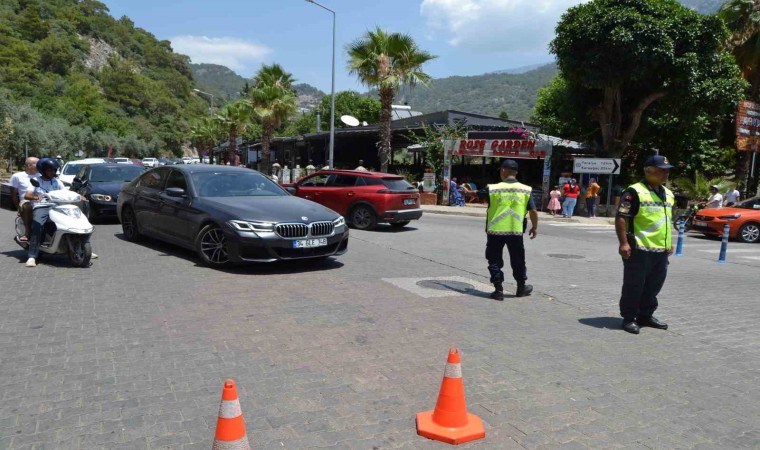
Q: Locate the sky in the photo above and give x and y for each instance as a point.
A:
(469, 37)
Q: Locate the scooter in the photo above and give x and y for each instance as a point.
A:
(67, 231)
(688, 217)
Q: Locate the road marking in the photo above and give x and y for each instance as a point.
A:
(733, 250)
(754, 258)
(579, 225)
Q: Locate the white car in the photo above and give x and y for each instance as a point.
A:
(187, 160)
(150, 162)
(71, 168)
(121, 160)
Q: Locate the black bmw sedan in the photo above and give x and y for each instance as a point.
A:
(228, 215)
(100, 184)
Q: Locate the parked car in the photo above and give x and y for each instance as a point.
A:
(71, 168)
(187, 160)
(743, 220)
(364, 198)
(137, 162)
(100, 184)
(228, 215)
(121, 160)
(150, 162)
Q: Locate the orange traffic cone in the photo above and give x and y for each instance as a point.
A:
(450, 422)
(230, 428)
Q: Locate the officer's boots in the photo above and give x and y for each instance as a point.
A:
(523, 290)
(498, 293)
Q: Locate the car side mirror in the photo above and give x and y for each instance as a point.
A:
(292, 189)
(175, 192)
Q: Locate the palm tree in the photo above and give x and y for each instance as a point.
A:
(742, 17)
(387, 62)
(273, 100)
(206, 132)
(233, 119)
(699, 187)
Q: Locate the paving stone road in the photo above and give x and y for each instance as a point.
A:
(132, 352)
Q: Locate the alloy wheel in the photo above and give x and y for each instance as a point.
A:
(750, 232)
(213, 246)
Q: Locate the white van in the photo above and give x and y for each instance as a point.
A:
(71, 168)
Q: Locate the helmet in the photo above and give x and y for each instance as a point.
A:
(714, 186)
(46, 163)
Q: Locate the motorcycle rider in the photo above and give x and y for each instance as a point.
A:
(48, 181)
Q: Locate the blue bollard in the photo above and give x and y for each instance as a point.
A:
(724, 245)
(679, 246)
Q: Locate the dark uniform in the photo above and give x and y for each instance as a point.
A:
(515, 246)
(649, 235)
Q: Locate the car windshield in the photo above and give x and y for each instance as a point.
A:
(753, 203)
(71, 169)
(235, 184)
(102, 174)
(397, 184)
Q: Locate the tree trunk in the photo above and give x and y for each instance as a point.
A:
(265, 163)
(232, 149)
(610, 115)
(386, 102)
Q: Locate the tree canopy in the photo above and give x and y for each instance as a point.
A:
(641, 74)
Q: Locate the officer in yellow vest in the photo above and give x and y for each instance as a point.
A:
(643, 226)
(508, 203)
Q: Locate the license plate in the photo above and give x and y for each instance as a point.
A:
(409, 201)
(310, 243)
(700, 224)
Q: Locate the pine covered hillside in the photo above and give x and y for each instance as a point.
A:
(485, 94)
(74, 78)
(218, 80)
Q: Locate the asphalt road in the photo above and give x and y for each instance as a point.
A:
(132, 352)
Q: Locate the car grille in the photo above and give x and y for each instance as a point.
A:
(292, 230)
(302, 230)
(704, 218)
(322, 228)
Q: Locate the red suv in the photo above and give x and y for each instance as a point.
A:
(363, 198)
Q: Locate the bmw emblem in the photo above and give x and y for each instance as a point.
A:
(304, 218)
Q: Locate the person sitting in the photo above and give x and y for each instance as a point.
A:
(20, 183)
(48, 181)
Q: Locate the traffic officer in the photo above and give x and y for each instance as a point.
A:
(508, 202)
(643, 226)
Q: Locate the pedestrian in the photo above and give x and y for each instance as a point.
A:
(715, 200)
(456, 198)
(643, 226)
(554, 205)
(570, 191)
(732, 197)
(592, 194)
(508, 203)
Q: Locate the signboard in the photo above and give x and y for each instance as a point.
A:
(748, 126)
(499, 148)
(597, 165)
(428, 182)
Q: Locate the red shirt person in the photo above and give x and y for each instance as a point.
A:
(571, 191)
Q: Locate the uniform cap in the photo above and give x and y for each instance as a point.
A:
(510, 164)
(658, 161)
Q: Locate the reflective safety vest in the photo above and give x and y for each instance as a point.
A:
(651, 225)
(507, 205)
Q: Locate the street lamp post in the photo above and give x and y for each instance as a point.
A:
(332, 88)
(211, 114)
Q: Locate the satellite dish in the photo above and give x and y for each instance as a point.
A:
(351, 121)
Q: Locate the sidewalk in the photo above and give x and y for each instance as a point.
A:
(476, 210)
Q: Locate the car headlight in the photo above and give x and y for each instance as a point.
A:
(72, 212)
(730, 217)
(101, 197)
(339, 222)
(247, 225)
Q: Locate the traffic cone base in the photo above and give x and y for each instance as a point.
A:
(428, 428)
